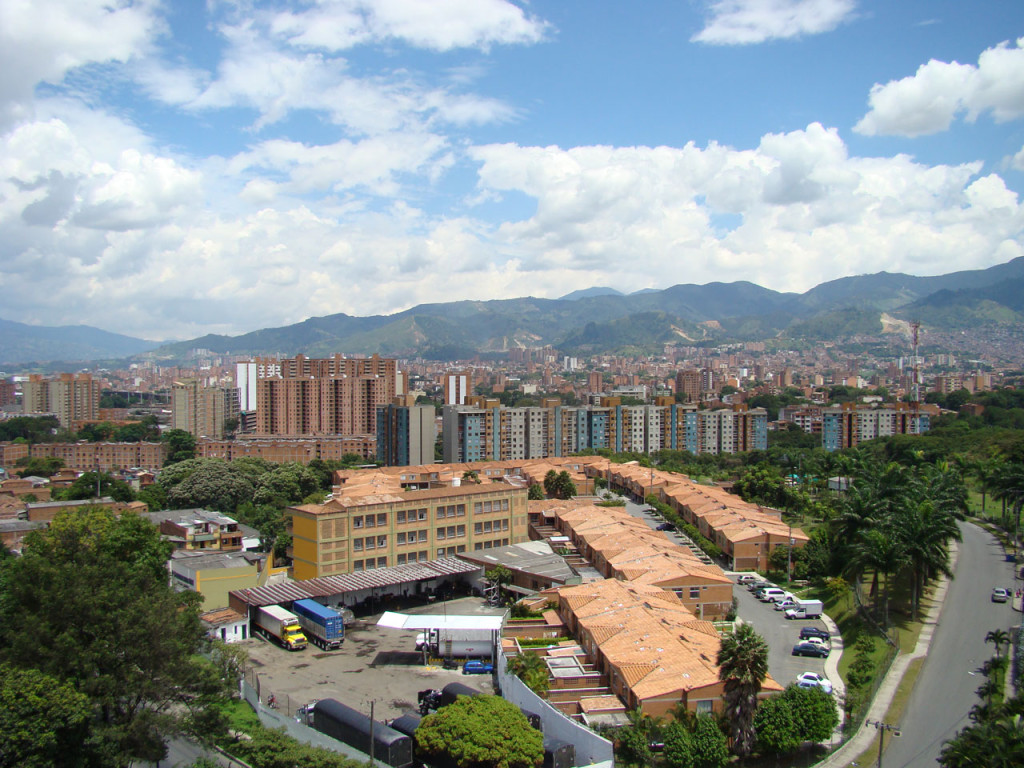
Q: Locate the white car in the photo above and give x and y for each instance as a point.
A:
(785, 604)
(814, 680)
(816, 641)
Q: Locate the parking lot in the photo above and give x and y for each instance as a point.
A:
(781, 634)
(373, 665)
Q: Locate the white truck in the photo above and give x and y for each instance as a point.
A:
(805, 609)
(461, 643)
(280, 626)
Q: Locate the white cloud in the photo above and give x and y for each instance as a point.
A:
(256, 73)
(809, 212)
(371, 163)
(41, 40)
(743, 22)
(928, 101)
(439, 25)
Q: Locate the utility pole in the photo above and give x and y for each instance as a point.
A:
(371, 734)
(789, 555)
(882, 728)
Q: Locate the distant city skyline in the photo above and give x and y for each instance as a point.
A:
(171, 169)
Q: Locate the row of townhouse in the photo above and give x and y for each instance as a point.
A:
(655, 654)
(620, 546)
(484, 430)
(746, 533)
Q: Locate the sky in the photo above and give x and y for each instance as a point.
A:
(171, 169)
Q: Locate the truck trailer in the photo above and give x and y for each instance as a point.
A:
(352, 727)
(280, 626)
(460, 643)
(805, 609)
(323, 626)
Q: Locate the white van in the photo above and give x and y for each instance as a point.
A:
(771, 594)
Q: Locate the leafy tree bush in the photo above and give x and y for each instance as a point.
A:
(181, 446)
(710, 746)
(33, 466)
(679, 747)
(480, 731)
(814, 712)
(536, 492)
(275, 749)
(88, 603)
(775, 726)
(84, 487)
(43, 721)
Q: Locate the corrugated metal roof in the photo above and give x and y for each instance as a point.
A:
(353, 582)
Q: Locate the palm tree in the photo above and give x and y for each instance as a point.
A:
(883, 552)
(531, 669)
(944, 485)
(743, 667)
(985, 472)
(1009, 488)
(998, 638)
(925, 532)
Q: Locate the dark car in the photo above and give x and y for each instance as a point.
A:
(665, 527)
(810, 649)
(477, 668)
(807, 632)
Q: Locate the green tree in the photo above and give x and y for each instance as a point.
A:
(743, 667)
(285, 484)
(775, 727)
(925, 531)
(88, 603)
(85, 487)
(34, 466)
(32, 429)
(710, 746)
(181, 446)
(814, 712)
(551, 483)
(679, 746)
(564, 487)
(211, 485)
(43, 722)
(536, 492)
(479, 731)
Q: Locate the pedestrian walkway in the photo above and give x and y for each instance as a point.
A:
(865, 737)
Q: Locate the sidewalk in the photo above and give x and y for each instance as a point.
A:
(887, 690)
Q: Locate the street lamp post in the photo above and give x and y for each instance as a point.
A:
(882, 728)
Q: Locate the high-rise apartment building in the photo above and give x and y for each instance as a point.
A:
(328, 396)
(72, 398)
(848, 424)
(458, 385)
(202, 411)
(486, 431)
(405, 434)
(688, 385)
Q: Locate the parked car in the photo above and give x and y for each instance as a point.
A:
(807, 632)
(814, 680)
(1000, 595)
(757, 586)
(805, 648)
(785, 604)
(665, 527)
(477, 667)
(748, 578)
(771, 595)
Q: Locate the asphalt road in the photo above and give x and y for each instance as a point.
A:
(944, 693)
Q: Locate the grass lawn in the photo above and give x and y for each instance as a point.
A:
(241, 718)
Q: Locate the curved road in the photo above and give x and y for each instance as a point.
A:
(944, 693)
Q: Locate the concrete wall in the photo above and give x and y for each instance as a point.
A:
(591, 749)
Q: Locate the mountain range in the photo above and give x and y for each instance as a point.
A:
(592, 321)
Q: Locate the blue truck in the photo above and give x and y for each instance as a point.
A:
(322, 626)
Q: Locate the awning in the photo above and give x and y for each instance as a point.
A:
(393, 620)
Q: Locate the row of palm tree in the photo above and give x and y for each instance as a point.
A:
(899, 521)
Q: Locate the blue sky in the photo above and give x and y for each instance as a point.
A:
(171, 169)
